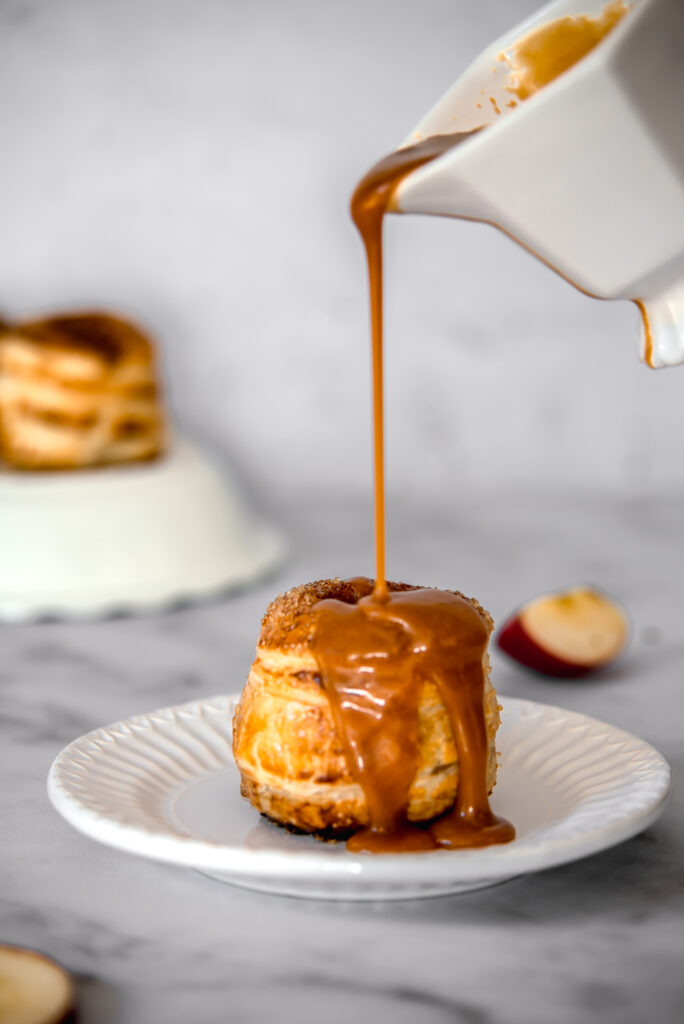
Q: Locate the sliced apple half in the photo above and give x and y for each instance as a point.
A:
(34, 989)
(566, 634)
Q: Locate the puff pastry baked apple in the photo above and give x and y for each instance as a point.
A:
(78, 390)
(290, 754)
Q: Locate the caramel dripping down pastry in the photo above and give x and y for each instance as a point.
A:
(291, 759)
(76, 391)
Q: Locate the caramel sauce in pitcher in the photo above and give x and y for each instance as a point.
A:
(375, 655)
(539, 58)
(370, 202)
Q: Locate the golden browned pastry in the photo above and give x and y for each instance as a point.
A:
(291, 762)
(78, 390)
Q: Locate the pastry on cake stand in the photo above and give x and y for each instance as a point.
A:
(101, 511)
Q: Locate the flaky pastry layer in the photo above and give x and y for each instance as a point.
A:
(78, 391)
(291, 762)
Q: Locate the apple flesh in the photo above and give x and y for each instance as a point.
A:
(34, 989)
(566, 634)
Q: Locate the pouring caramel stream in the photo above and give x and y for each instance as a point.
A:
(370, 202)
(376, 654)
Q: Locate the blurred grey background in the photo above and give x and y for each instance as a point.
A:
(190, 162)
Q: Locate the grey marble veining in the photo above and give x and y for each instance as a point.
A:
(595, 941)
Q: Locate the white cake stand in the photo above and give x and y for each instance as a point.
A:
(124, 539)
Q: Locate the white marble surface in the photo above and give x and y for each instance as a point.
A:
(596, 941)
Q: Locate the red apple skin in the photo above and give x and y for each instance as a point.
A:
(514, 641)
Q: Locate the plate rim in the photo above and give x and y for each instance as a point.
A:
(441, 866)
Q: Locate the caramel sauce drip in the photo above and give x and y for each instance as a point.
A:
(370, 202)
(374, 657)
(648, 334)
(548, 51)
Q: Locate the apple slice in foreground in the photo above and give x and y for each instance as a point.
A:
(566, 634)
(34, 989)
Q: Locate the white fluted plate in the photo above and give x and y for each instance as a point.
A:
(165, 786)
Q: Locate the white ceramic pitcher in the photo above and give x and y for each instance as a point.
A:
(588, 173)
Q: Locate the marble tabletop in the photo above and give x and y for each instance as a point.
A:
(597, 940)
